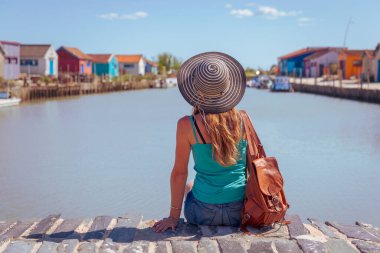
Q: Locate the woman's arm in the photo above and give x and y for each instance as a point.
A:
(178, 176)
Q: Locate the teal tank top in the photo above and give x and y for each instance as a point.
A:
(214, 183)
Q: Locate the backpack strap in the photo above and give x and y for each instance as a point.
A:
(255, 147)
(193, 128)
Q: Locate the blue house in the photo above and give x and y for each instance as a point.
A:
(293, 63)
(105, 65)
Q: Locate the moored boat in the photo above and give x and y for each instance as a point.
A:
(7, 100)
(281, 84)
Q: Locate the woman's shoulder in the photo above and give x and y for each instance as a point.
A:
(184, 121)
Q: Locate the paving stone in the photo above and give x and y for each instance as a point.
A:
(270, 231)
(228, 245)
(296, 226)
(4, 226)
(310, 246)
(109, 246)
(354, 231)
(163, 247)
(43, 226)
(138, 247)
(366, 247)
(19, 247)
(286, 246)
(339, 245)
(66, 229)
(87, 247)
(183, 232)
(184, 246)
(125, 228)
(323, 228)
(48, 247)
(16, 230)
(98, 228)
(206, 245)
(370, 228)
(68, 246)
(261, 246)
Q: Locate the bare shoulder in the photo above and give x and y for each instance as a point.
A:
(184, 121)
(183, 124)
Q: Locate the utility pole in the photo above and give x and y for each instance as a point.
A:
(350, 22)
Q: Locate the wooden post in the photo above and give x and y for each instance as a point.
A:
(340, 78)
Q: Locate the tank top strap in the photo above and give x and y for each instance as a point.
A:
(193, 128)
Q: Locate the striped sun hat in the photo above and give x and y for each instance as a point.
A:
(213, 82)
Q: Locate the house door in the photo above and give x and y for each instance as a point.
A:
(82, 68)
(320, 70)
(51, 67)
(343, 68)
(378, 70)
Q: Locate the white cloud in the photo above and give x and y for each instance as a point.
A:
(271, 12)
(109, 16)
(304, 21)
(131, 16)
(241, 13)
(228, 6)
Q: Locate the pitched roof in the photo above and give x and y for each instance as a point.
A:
(33, 50)
(76, 52)
(131, 58)
(301, 52)
(2, 51)
(100, 58)
(369, 53)
(152, 63)
(316, 54)
(353, 52)
(4, 42)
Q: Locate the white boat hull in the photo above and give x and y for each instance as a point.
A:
(9, 102)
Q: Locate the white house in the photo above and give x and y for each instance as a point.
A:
(40, 60)
(316, 64)
(376, 63)
(131, 64)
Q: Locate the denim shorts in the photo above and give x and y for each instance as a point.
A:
(200, 213)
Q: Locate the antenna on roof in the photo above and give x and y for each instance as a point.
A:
(350, 22)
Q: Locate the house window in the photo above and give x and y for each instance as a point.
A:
(28, 62)
(88, 64)
(128, 66)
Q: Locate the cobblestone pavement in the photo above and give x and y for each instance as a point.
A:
(130, 233)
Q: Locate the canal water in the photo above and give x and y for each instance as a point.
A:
(113, 153)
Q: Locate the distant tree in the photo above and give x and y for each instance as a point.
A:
(250, 72)
(168, 62)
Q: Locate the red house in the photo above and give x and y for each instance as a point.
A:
(72, 60)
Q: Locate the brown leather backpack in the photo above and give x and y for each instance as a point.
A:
(265, 201)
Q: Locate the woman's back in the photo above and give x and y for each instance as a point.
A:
(214, 183)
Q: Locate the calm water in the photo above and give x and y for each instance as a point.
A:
(112, 154)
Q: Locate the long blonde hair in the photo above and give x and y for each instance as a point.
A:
(225, 133)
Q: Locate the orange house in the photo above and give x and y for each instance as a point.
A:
(350, 63)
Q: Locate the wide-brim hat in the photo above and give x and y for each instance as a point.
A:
(213, 82)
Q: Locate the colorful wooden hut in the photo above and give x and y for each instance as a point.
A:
(74, 61)
(105, 65)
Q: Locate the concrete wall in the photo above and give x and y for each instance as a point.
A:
(372, 96)
(376, 65)
(326, 60)
(2, 60)
(12, 61)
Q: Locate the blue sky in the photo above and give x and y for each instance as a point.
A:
(254, 32)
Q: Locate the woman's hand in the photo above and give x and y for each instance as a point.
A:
(165, 223)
